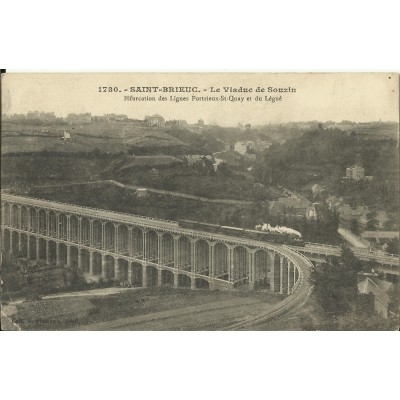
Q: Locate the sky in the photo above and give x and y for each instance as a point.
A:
(358, 97)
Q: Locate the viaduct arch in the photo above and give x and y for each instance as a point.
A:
(143, 251)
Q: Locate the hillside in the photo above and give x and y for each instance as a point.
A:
(111, 137)
(125, 165)
(77, 143)
(40, 168)
(322, 156)
(142, 140)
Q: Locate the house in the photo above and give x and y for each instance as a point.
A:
(377, 288)
(334, 203)
(341, 126)
(193, 159)
(177, 123)
(217, 162)
(155, 120)
(317, 190)
(261, 145)
(293, 206)
(196, 128)
(66, 136)
(243, 147)
(348, 213)
(355, 173)
(79, 118)
(141, 192)
(48, 117)
(115, 117)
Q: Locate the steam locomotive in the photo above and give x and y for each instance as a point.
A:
(266, 236)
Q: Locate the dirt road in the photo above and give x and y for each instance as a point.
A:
(210, 316)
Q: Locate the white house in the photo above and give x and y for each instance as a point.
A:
(66, 136)
(355, 173)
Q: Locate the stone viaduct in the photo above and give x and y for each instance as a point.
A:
(143, 251)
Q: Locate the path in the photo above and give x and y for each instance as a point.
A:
(151, 190)
(354, 240)
(208, 316)
(92, 292)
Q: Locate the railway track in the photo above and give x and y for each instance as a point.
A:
(297, 299)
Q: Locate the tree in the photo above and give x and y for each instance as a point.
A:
(224, 170)
(354, 226)
(331, 288)
(349, 260)
(208, 167)
(335, 282)
(372, 225)
(393, 247)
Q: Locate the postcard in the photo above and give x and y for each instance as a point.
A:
(200, 201)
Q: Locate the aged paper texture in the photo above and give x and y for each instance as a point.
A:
(200, 201)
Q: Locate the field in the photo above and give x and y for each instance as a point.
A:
(163, 308)
(111, 137)
(28, 143)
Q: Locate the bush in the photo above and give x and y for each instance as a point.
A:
(101, 282)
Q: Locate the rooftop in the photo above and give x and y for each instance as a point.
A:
(378, 289)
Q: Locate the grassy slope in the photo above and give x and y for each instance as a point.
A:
(56, 144)
(26, 170)
(107, 137)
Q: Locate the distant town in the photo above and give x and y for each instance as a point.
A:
(158, 120)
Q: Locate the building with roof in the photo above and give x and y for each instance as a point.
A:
(243, 147)
(177, 123)
(155, 120)
(334, 203)
(341, 126)
(196, 128)
(141, 192)
(193, 159)
(261, 145)
(377, 288)
(296, 207)
(85, 118)
(116, 117)
(66, 136)
(317, 190)
(355, 173)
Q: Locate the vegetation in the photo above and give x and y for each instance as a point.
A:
(163, 206)
(393, 247)
(321, 230)
(335, 283)
(31, 280)
(322, 157)
(336, 293)
(27, 169)
(55, 313)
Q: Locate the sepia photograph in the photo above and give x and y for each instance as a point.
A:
(200, 202)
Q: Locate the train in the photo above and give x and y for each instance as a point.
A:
(262, 235)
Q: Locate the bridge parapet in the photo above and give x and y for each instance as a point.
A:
(58, 206)
(361, 253)
(237, 261)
